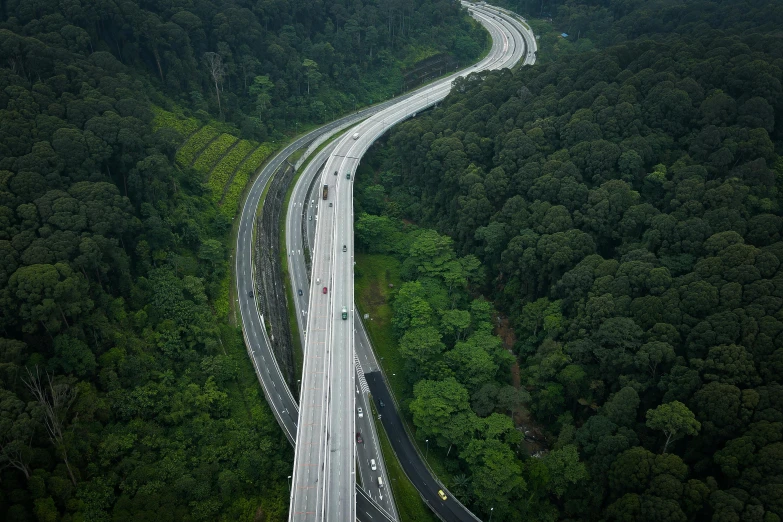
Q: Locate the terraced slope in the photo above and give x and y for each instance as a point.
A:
(226, 161)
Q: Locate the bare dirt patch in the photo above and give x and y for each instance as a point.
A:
(534, 441)
(375, 296)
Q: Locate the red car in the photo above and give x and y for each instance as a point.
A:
(325, 290)
(359, 438)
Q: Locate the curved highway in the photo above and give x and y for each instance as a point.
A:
(324, 465)
(256, 338)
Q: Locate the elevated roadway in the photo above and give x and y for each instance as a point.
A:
(257, 340)
(324, 468)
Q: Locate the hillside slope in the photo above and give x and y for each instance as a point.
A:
(626, 206)
(125, 393)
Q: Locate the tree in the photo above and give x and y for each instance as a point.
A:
(46, 294)
(621, 408)
(436, 406)
(454, 323)
(311, 72)
(216, 69)
(72, 356)
(261, 89)
(564, 469)
(211, 250)
(731, 364)
(17, 429)
(421, 345)
(410, 307)
(55, 400)
(496, 475)
(510, 398)
(653, 354)
(674, 419)
(472, 365)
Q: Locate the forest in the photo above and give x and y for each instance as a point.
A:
(622, 207)
(267, 66)
(125, 389)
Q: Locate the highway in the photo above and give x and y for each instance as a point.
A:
(257, 341)
(301, 217)
(324, 467)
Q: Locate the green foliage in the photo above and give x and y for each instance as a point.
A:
(214, 152)
(624, 206)
(224, 170)
(674, 419)
(195, 144)
(169, 120)
(243, 174)
(448, 353)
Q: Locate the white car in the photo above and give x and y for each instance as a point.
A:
(356, 135)
(372, 465)
(361, 413)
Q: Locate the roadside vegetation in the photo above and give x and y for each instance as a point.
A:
(127, 137)
(623, 200)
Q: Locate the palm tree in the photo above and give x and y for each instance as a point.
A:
(460, 485)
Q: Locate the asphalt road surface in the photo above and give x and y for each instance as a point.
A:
(324, 467)
(256, 338)
(302, 211)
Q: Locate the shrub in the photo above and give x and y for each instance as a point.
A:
(244, 173)
(195, 144)
(164, 118)
(223, 171)
(214, 152)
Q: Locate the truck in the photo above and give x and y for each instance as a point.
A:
(326, 191)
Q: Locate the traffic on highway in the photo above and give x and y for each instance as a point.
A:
(334, 393)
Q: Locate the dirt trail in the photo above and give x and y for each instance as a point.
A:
(534, 438)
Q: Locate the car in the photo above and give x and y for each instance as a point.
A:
(345, 317)
(372, 465)
(330, 204)
(335, 172)
(345, 248)
(325, 290)
(359, 438)
(361, 413)
(311, 218)
(380, 403)
(347, 175)
(250, 294)
(299, 291)
(356, 135)
(442, 495)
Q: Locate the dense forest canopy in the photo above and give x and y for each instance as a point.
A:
(125, 394)
(614, 21)
(625, 205)
(264, 65)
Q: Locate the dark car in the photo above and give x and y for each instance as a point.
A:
(299, 291)
(250, 294)
(359, 438)
(380, 403)
(325, 290)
